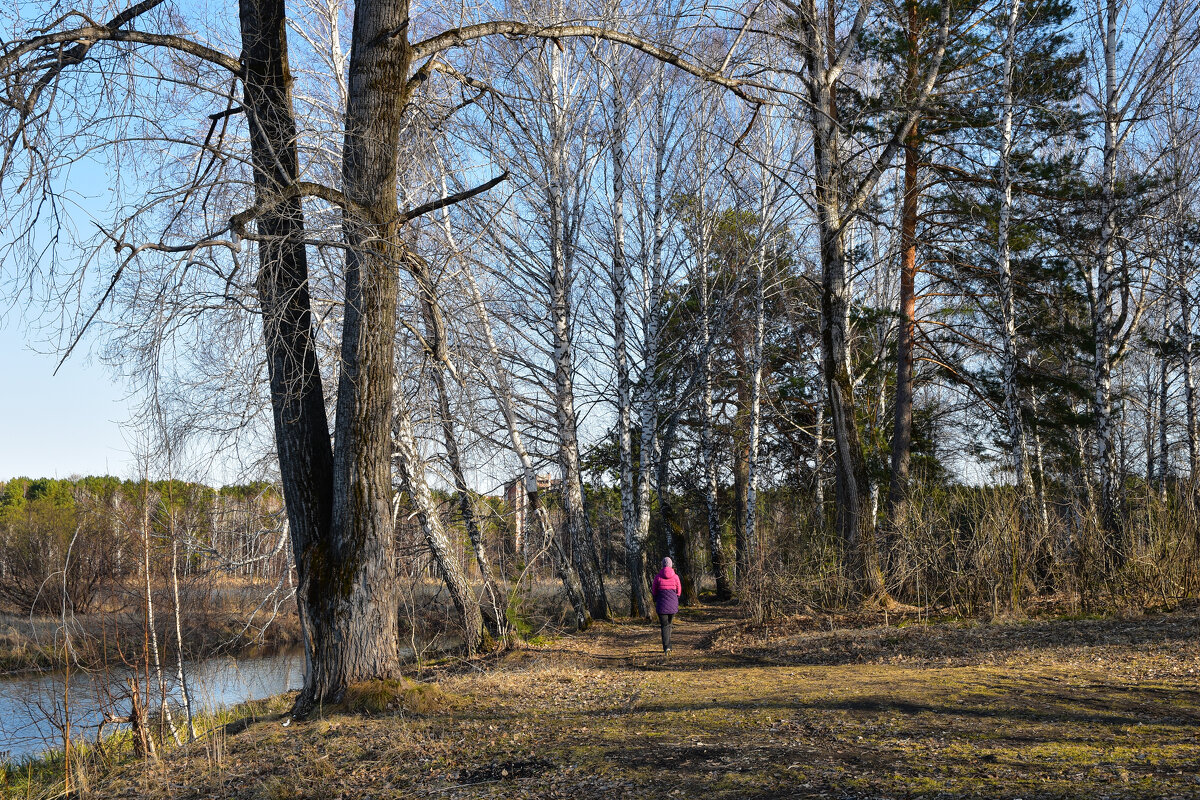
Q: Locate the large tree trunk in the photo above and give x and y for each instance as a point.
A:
(649, 439)
(297, 395)
(824, 60)
(707, 440)
(855, 521)
(353, 591)
(579, 533)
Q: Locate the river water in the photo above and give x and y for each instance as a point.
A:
(32, 708)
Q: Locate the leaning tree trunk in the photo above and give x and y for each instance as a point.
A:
(435, 341)
(297, 395)
(502, 392)
(466, 507)
(412, 480)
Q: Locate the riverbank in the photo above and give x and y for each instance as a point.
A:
(1069, 708)
(31, 644)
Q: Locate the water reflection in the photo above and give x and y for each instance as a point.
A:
(33, 707)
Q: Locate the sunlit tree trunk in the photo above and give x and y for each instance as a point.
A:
(638, 604)
(579, 533)
(1102, 311)
(297, 396)
(352, 590)
(756, 384)
(835, 207)
(1012, 396)
(708, 455)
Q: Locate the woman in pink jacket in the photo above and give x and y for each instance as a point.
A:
(666, 590)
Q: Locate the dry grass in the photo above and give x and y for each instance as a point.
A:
(1048, 709)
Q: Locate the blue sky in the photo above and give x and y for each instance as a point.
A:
(57, 425)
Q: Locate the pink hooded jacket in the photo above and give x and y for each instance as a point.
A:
(665, 583)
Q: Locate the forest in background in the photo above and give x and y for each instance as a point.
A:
(840, 305)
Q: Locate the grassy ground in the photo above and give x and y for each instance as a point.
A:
(1046, 709)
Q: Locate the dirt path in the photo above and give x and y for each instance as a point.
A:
(927, 712)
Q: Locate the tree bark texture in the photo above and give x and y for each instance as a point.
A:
(1012, 396)
(1104, 291)
(579, 533)
(638, 603)
(353, 591)
(297, 395)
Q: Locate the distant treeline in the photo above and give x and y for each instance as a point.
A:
(67, 544)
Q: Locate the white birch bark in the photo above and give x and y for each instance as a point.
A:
(756, 378)
(1012, 397)
(1126, 92)
(578, 529)
(702, 237)
(620, 281)
(1189, 380)
(651, 311)
(1102, 311)
(836, 207)
(501, 389)
(164, 706)
(180, 675)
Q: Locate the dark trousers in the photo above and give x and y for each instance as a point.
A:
(664, 622)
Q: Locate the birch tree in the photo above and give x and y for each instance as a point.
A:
(1136, 48)
(337, 482)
